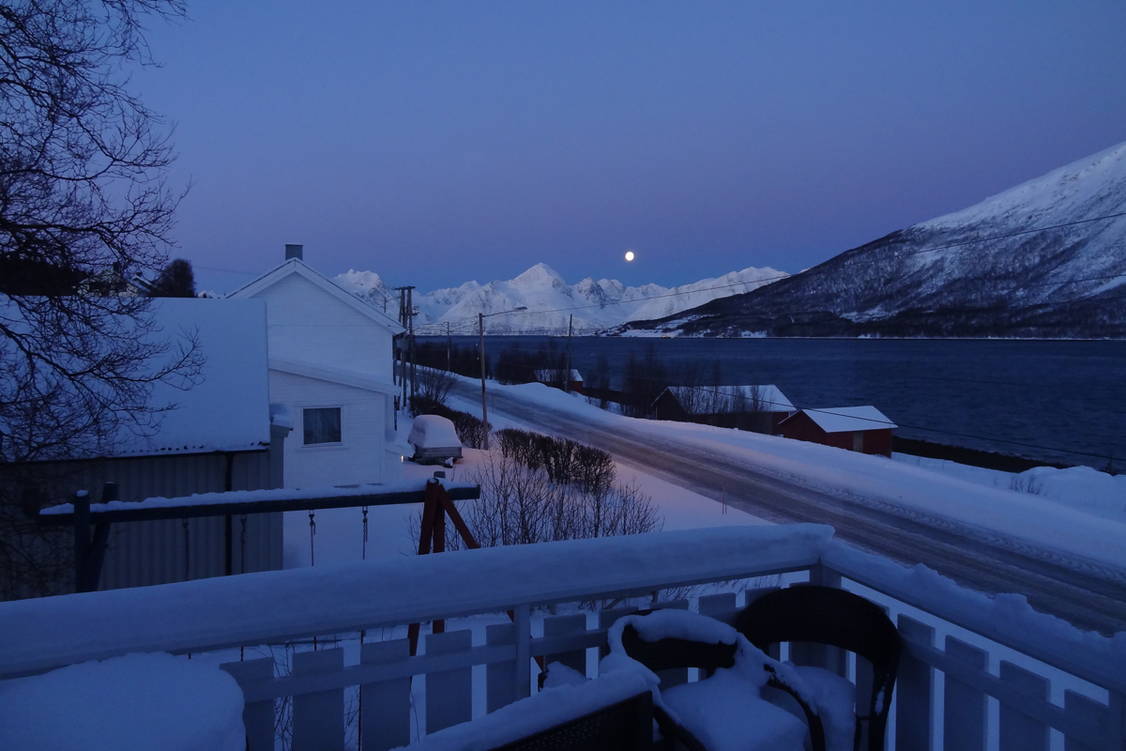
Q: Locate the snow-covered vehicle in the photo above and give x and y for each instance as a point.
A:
(434, 439)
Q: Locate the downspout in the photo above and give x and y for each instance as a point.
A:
(228, 533)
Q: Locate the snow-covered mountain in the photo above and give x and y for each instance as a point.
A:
(550, 300)
(1045, 258)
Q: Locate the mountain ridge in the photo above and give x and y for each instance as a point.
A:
(1045, 258)
(596, 305)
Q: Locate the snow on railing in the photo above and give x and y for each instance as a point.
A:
(952, 692)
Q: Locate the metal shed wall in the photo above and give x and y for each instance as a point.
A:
(157, 552)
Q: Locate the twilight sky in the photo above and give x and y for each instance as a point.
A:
(436, 142)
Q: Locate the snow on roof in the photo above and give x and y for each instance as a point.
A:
(550, 374)
(228, 409)
(844, 419)
(295, 266)
(332, 375)
(225, 407)
(709, 399)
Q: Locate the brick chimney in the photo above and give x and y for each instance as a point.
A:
(294, 251)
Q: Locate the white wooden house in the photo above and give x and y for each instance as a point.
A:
(330, 360)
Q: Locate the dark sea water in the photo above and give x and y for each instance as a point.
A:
(1060, 401)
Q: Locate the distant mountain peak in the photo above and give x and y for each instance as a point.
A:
(540, 273)
(550, 302)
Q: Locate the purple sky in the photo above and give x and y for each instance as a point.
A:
(442, 141)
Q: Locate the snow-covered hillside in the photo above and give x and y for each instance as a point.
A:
(1044, 258)
(550, 300)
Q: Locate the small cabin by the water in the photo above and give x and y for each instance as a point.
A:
(864, 429)
(561, 378)
(760, 408)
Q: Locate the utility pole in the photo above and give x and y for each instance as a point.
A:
(449, 349)
(570, 330)
(481, 355)
(406, 318)
(410, 332)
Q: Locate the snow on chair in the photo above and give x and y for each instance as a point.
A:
(725, 709)
(836, 617)
(613, 712)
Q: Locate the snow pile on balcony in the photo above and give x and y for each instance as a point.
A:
(139, 701)
(551, 707)
(726, 711)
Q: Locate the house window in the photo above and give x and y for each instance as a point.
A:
(322, 425)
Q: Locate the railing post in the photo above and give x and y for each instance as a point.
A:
(81, 538)
(523, 621)
(823, 576)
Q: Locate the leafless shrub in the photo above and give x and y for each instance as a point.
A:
(1030, 485)
(434, 385)
(520, 504)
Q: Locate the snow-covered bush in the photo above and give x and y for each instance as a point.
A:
(565, 461)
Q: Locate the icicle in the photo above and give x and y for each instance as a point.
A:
(242, 543)
(312, 537)
(187, 550)
(364, 547)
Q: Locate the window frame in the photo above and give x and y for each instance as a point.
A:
(323, 444)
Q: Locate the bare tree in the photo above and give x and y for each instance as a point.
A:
(83, 206)
(82, 194)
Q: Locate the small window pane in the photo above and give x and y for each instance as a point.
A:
(322, 425)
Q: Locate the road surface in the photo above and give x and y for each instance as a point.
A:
(1087, 593)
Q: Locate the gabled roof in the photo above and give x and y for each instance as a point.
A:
(332, 375)
(295, 266)
(713, 399)
(847, 419)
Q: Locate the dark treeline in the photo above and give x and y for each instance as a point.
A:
(644, 376)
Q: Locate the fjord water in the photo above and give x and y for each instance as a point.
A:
(1060, 401)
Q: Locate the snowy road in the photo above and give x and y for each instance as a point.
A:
(1085, 592)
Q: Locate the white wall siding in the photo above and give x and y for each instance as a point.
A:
(360, 456)
(308, 325)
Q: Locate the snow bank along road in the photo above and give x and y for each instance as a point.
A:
(1085, 592)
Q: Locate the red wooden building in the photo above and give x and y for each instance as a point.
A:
(864, 429)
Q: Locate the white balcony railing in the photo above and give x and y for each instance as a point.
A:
(978, 672)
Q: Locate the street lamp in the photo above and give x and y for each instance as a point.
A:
(481, 353)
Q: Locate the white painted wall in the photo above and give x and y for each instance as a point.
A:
(362, 454)
(309, 325)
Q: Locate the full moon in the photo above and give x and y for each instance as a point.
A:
(629, 255)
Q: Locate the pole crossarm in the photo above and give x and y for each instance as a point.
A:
(274, 500)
